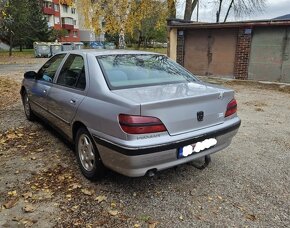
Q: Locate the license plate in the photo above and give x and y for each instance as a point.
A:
(197, 147)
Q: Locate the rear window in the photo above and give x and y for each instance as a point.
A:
(129, 71)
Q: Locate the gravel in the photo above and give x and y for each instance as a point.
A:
(247, 184)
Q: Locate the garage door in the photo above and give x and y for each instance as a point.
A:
(210, 52)
(269, 58)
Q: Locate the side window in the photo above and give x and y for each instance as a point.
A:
(72, 73)
(47, 72)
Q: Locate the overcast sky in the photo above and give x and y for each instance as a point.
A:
(274, 8)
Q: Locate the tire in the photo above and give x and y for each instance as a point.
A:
(27, 109)
(88, 156)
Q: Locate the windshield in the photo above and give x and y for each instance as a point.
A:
(138, 70)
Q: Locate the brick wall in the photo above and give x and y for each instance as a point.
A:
(243, 53)
(180, 47)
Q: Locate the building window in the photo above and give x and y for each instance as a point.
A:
(65, 8)
(75, 22)
(47, 4)
(73, 10)
(75, 33)
(56, 7)
(56, 20)
(67, 20)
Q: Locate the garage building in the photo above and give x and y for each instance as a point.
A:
(255, 50)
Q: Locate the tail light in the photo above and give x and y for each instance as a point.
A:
(140, 124)
(231, 108)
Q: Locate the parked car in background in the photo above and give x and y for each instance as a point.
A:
(131, 111)
(96, 45)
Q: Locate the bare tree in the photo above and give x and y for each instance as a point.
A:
(218, 13)
(240, 7)
(189, 7)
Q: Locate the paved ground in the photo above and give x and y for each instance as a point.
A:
(246, 184)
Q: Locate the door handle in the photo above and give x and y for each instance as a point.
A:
(45, 91)
(72, 101)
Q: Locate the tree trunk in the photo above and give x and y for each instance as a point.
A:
(229, 9)
(189, 7)
(140, 40)
(10, 43)
(218, 13)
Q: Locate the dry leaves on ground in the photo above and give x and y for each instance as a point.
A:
(9, 91)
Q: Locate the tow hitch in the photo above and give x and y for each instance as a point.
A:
(207, 160)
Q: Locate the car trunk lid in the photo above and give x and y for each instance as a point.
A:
(182, 107)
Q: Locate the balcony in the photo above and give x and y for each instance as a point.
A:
(67, 26)
(48, 10)
(67, 23)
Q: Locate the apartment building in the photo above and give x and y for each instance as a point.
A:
(61, 14)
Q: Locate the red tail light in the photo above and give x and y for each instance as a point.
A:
(231, 108)
(140, 124)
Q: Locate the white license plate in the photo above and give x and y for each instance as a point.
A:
(197, 147)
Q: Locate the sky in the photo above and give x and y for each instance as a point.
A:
(274, 8)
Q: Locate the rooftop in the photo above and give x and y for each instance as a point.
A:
(249, 24)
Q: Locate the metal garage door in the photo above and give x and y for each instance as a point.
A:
(269, 59)
(210, 52)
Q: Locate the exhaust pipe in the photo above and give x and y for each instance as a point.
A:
(151, 172)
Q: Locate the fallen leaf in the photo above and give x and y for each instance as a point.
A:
(28, 208)
(86, 192)
(152, 224)
(10, 203)
(136, 225)
(181, 217)
(27, 195)
(74, 208)
(113, 212)
(16, 219)
(28, 222)
(11, 136)
(39, 150)
(113, 205)
(12, 193)
(33, 158)
(251, 217)
(101, 198)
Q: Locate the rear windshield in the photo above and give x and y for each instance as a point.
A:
(132, 70)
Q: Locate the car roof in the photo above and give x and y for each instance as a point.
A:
(98, 52)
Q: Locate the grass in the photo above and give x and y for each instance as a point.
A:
(24, 53)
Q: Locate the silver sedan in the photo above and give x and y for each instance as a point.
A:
(133, 112)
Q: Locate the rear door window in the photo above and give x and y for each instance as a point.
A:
(72, 73)
(48, 70)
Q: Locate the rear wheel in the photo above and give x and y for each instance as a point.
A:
(88, 156)
(27, 109)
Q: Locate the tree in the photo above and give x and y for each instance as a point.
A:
(132, 17)
(189, 8)
(240, 7)
(171, 4)
(14, 23)
(22, 22)
(57, 34)
(38, 27)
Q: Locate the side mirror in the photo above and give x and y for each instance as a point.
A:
(30, 75)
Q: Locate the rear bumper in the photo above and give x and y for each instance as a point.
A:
(135, 162)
